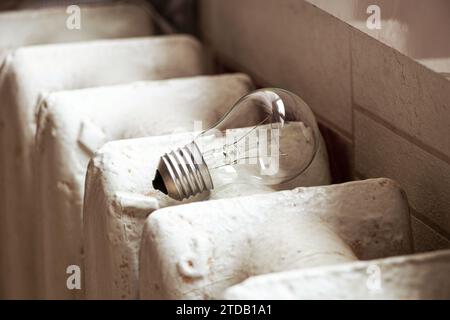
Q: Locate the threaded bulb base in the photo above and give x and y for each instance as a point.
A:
(183, 173)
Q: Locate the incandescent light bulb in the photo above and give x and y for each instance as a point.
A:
(268, 137)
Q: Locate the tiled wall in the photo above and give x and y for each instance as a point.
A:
(382, 113)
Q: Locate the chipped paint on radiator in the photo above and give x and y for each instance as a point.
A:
(129, 166)
(116, 112)
(248, 236)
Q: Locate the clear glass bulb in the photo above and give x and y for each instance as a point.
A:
(268, 137)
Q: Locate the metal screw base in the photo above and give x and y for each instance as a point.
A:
(183, 173)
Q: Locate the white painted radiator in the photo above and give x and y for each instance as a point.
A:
(28, 74)
(82, 129)
(74, 124)
(32, 27)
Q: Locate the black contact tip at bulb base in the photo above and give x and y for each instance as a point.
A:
(158, 183)
(182, 173)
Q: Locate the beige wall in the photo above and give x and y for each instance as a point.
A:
(381, 112)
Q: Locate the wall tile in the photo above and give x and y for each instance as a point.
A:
(286, 43)
(402, 92)
(425, 178)
(426, 238)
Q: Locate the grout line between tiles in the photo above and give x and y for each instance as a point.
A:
(260, 82)
(425, 220)
(352, 101)
(432, 151)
